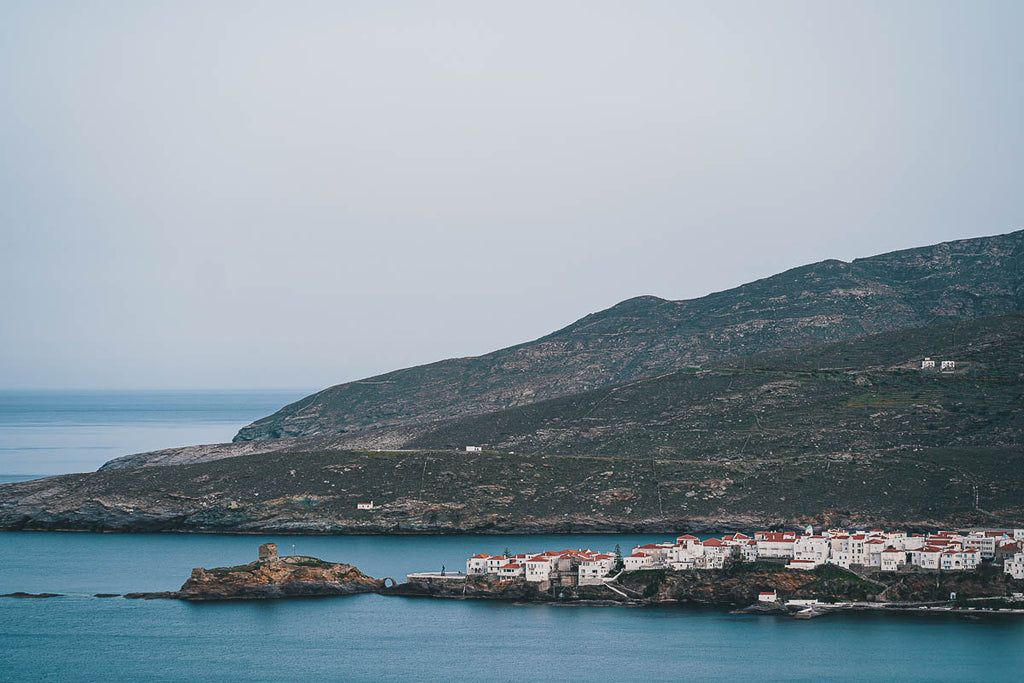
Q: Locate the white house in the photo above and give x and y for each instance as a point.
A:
(687, 540)
(495, 563)
(637, 561)
(927, 363)
(840, 559)
(659, 552)
(511, 571)
(593, 570)
(477, 564)
(474, 449)
(748, 552)
(873, 552)
(948, 365)
(1015, 566)
(715, 553)
(926, 558)
(538, 568)
(683, 563)
(893, 559)
(959, 560)
(364, 506)
(775, 544)
(811, 548)
(767, 596)
(984, 541)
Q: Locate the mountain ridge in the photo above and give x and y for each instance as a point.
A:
(644, 336)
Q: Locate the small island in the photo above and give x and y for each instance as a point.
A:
(271, 576)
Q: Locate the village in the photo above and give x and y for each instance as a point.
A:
(873, 550)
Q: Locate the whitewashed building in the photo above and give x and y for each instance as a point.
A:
(959, 560)
(592, 571)
(811, 548)
(477, 564)
(893, 559)
(637, 561)
(748, 552)
(511, 571)
(775, 543)
(495, 563)
(1015, 566)
(538, 569)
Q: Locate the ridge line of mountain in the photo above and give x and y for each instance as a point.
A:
(643, 336)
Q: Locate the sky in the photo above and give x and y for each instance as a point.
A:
(264, 194)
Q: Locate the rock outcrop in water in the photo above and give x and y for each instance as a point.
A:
(271, 576)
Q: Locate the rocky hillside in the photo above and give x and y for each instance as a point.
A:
(456, 492)
(863, 396)
(647, 336)
(840, 434)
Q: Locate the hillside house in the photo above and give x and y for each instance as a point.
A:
(927, 364)
(593, 570)
(892, 559)
(775, 543)
(477, 564)
(495, 563)
(511, 571)
(1015, 566)
(811, 548)
(948, 365)
(637, 561)
(538, 569)
(364, 506)
(959, 560)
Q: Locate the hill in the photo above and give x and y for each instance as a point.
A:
(648, 336)
(839, 434)
(863, 396)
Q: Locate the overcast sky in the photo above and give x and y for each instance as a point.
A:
(295, 194)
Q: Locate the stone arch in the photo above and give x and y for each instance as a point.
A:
(393, 582)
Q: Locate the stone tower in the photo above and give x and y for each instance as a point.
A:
(268, 552)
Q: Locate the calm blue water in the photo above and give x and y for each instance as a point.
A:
(369, 637)
(56, 432)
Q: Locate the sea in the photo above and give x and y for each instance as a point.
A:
(80, 637)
